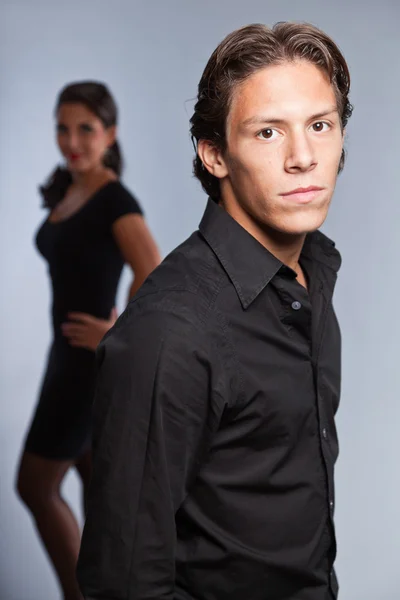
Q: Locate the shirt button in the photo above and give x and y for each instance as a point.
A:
(331, 504)
(325, 434)
(296, 305)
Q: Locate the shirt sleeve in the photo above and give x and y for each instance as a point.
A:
(158, 404)
(120, 203)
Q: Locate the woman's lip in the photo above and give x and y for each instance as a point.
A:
(74, 156)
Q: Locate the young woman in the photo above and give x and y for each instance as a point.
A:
(94, 226)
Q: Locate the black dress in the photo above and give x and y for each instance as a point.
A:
(85, 266)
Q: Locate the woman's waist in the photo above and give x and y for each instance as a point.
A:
(96, 307)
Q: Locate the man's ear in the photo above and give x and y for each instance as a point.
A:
(212, 159)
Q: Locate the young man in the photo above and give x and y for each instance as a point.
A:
(215, 439)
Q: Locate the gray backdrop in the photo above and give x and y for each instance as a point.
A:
(152, 54)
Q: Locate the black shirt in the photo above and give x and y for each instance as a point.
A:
(215, 439)
(80, 250)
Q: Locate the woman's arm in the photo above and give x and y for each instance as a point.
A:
(137, 246)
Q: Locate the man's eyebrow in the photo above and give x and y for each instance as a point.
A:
(263, 119)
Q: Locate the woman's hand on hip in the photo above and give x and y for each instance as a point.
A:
(85, 331)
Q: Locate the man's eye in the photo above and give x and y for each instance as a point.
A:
(320, 126)
(266, 134)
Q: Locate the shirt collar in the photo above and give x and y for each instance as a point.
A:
(247, 263)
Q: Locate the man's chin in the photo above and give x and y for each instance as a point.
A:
(302, 225)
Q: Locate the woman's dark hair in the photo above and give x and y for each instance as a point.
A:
(97, 98)
(239, 56)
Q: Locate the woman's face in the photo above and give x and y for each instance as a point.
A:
(82, 138)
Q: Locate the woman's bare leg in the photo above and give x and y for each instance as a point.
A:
(39, 481)
(84, 468)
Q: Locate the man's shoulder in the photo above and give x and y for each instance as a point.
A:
(175, 306)
(179, 296)
(189, 278)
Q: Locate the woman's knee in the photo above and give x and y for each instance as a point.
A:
(38, 481)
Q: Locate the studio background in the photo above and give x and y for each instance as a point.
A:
(152, 54)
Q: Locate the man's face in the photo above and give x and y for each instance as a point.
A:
(283, 133)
